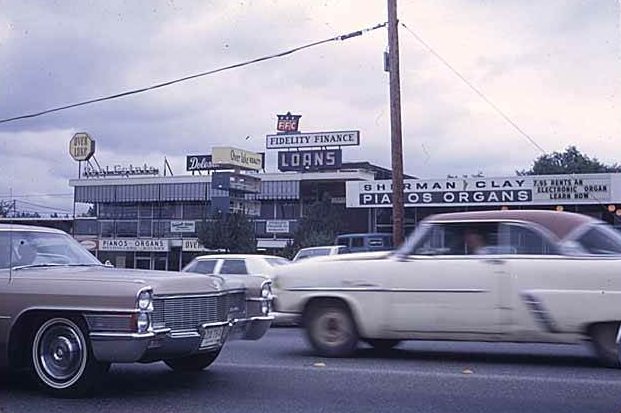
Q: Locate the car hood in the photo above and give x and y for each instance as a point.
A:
(162, 282)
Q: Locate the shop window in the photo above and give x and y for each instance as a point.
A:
(85, 227)
(287, 210)
(127, 229)
(193, 211)
(267, 209)
(106, 229)
(145, 210)
(145, 228)
(168, 210)
(127, 211)
(106, 211)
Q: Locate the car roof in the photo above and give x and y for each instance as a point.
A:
(321, 247)
(366, 234)
(557, 222)
(16, 227)
(235, 256)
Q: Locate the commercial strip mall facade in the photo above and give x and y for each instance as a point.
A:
(146, 219)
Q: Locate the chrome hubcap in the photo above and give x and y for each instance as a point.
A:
(333, 328)
(59, 353)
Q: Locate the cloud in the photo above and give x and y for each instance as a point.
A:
(551, 66)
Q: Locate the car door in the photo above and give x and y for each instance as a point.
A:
(443, 286)
(550, 291)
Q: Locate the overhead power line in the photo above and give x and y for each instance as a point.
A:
(194, 76)
(476, 90)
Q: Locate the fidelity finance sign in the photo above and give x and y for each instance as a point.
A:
(314, 139)
(520, 190)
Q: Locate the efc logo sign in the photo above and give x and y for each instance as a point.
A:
(288, 122)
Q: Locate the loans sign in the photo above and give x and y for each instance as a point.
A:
(313, 160)
(517, 190)
(314, 139)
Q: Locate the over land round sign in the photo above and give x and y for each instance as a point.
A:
(81, 146)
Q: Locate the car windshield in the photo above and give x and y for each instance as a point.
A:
(34, 248)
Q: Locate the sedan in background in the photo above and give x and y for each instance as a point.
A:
(253, 270)
(518, 276)
(320, 252)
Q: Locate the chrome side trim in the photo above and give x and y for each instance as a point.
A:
(184, 334)
(121, 336)
(390, 290)
(5, 317)
(215, 294)
(539, 312)
(217, 324)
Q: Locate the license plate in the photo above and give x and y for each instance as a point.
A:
(212, 337)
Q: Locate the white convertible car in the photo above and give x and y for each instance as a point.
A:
(519, 276)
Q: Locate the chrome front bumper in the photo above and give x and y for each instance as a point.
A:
(162, 344)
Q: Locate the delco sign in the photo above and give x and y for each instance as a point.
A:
(288, 122)
(313, 160)
(198, 163)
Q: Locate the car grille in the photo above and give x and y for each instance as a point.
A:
(187, 313)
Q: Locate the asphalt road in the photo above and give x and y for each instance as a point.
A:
(280, 374)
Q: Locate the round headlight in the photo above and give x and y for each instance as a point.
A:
(145, 300)
(266, 291)
(143, 322)
(265, 307)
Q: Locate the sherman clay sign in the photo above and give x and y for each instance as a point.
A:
(515, 190)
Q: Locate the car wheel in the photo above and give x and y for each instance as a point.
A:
(381, 344)
(195, 362)
(61, 360)
(603, 336)
(331, 329)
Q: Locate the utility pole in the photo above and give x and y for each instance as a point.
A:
(395, 125)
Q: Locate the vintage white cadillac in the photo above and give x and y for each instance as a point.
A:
(519, 276)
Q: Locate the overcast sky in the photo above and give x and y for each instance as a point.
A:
(554, 67)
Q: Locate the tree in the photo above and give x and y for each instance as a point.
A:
(319, 225)
(230, 232)
(571, 161)
(5, 208)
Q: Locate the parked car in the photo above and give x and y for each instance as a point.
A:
(365, 242)
(520, 276)
(253, 270)
(320, 252)
(65, 317)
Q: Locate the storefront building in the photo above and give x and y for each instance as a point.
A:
(154, 222)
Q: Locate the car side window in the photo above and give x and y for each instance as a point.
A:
(204, 266)
(517, 239)
(601, 240)
(459, 239)
(357, 242)
(5, 250)
(234, 267)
